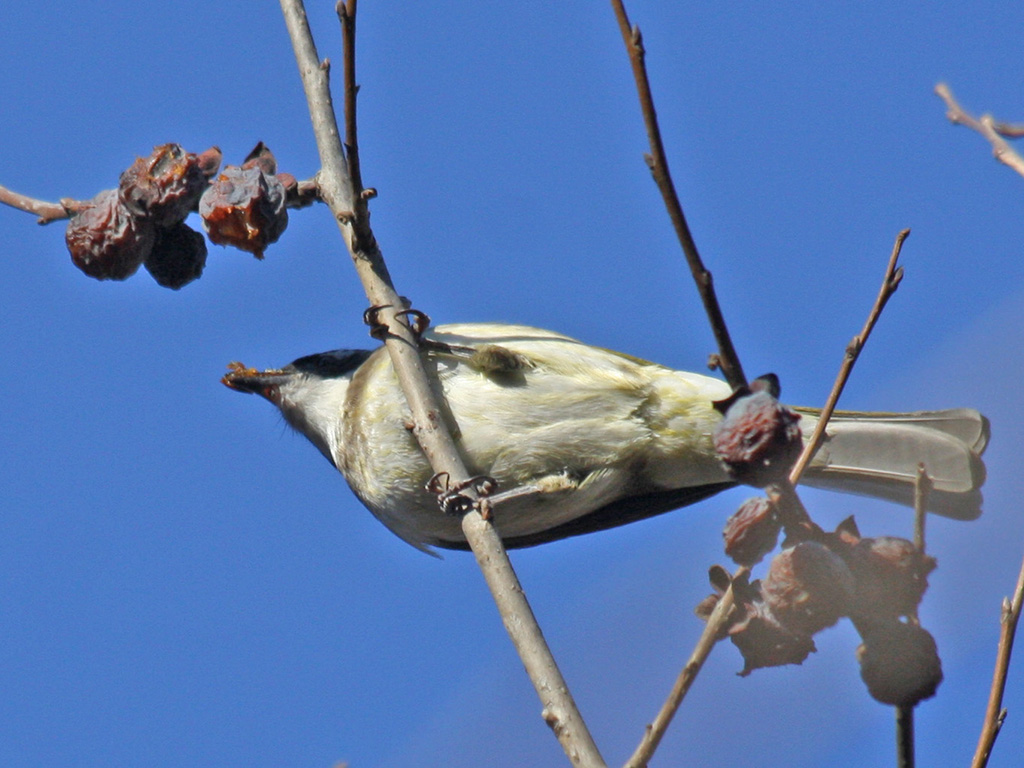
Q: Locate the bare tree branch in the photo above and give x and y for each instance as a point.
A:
(46, 211)
(905, 746)
(340, 189)
(987, 127)
(726, 359)
(994, 713)
(712, 633)
(890, 283)
(785, 497)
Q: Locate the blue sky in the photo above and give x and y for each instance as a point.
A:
(185, 582)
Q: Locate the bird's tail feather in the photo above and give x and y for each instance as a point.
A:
(878, 454)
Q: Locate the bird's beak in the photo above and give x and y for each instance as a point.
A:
(265, 383)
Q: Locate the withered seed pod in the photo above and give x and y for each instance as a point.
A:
(765, 642)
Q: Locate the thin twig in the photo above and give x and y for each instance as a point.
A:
(905, 737)
(712, 633)
(994, 713)
(891, 281)
(988, 127)
(922, 489)
(905, 757)
(726, 359)
(305, 194)
(347, 16)
(349, 208)
(783, 493)
(46, 211)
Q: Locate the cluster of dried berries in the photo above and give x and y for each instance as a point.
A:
(143, 220)
(876, 582)
(819, 577)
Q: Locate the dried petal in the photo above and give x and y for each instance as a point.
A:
(261, 157)
(209, 161)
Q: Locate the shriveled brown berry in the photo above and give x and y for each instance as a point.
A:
(765, 642)
(891, 576)
(178, 256)
(165, 186)
(808, 587)
(106, 241)
(752, 531)
(899, 663)
(758, 439)
(244, 207)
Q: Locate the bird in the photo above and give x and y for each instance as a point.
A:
(579, 438)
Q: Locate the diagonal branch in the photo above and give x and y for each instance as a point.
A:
(46, 211)
(785, 496)
(891, 281)
(726, 359)
(713, 632)
(987, 127)
(341, 190)
(995, 714)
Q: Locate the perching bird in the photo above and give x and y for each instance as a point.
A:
(587, 438)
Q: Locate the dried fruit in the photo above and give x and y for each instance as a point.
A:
(106, 241)
(165, 186)
(891, 576)
(758, 439)
(808, 587)
(765, 642)
(899, 663)
(244, 207)
(752, 531)
(178, 256)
